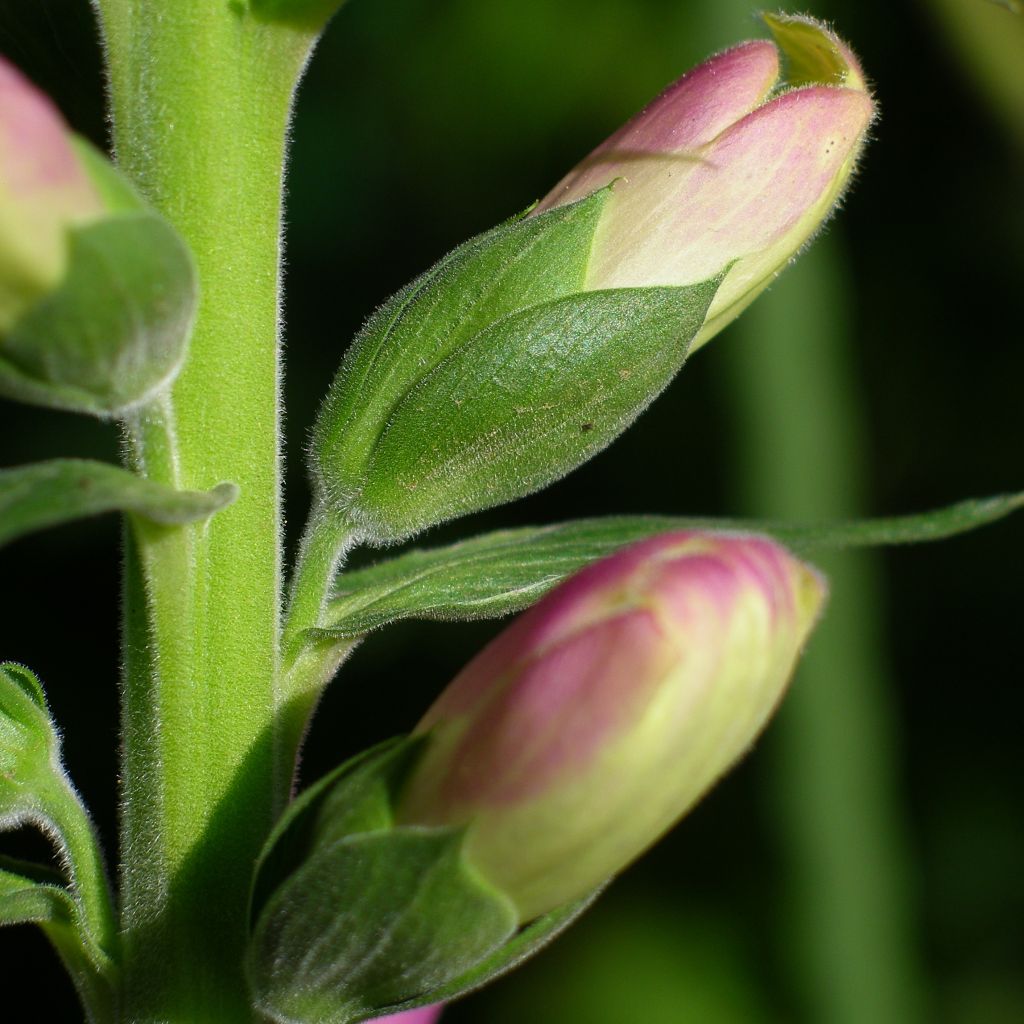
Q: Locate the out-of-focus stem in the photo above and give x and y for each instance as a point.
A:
(837, 792)
(989, 39)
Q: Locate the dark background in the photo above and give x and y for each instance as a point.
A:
(864, 864)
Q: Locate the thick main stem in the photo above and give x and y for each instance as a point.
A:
(201, 97)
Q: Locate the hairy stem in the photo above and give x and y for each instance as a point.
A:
(201, 99)
(308, 664)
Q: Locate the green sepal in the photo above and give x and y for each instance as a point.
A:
(337, 875)
(528, 400)
(503, 572)
(371, 921)
(524, 944)
(356, 797)
(522, 263)
(61, 490)
(115, 331)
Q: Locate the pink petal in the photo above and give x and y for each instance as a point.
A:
(424, 1015)
(756, 182)
(35, 155)
(688, 114)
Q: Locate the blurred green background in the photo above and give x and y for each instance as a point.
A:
(863, 865)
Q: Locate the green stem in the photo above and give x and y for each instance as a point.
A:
(838, 798)
(309, 664)
(201, 98)
(327, 541)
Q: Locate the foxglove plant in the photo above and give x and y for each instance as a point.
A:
(146, 290)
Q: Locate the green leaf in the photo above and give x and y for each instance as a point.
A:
(35, 790)
(520, 264)
(32, 895)
(370, 921)
(24, 901)
(47, 493)
(503, 572)
(30, 773)
(115, 331)
(532, 397)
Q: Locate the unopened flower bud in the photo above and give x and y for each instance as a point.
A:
(722, 173)
(43, 191)
(530, 348)
(97, 291)
(592, 724)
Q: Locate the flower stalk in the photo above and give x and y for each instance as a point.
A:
(203, 140)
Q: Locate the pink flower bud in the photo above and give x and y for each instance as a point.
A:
(722, 172)
(43, 190)
(424, 1015)
(595, 721)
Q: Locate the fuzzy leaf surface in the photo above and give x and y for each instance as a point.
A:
(58, 491)
(529, 399)
(499, 573)
(34, 895)
(524, 944)
(370, 921)
(524, 263)
(355, 797)
(30, 775)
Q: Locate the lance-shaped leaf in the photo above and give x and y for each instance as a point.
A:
(524, 944)
(370, 921)
(352, 917)
(34, 790)
(30, 894)
(47, 493)
(499, 573)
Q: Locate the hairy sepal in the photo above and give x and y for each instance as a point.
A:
(523, 263)
(355, 918)
(531, 398)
